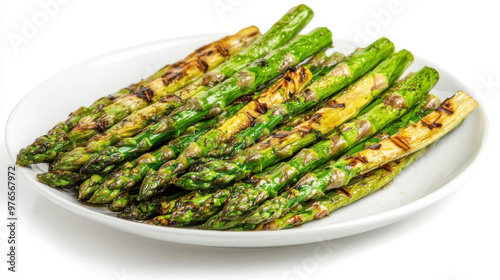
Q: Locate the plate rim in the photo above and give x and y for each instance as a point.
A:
(373, 221)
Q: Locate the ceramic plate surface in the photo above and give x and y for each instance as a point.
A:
(439, 172)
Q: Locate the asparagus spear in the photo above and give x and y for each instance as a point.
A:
(88, 187)
(128, 174)
(130, 171)
(282, 145)
(62, 179)
(105, 115)
(295, 79)
(204, 208)
(185, 211)
(420, 111)
(162, 220)
(281, 32)
(266, 211)
(286, 126)
(211, 202)
(41, 149)
(336, 174)
(122, 201)
(217, 222)
(146, 209)
(397, 101)
(133, 171)
(333, 200)
(58, 178)
(212, 101)
(359, 62)
(160, 205)
(260, 128)
(238, 142)
(204, 205)
(288, 26)
(427, 106)
(191, 208)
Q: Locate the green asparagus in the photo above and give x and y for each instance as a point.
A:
(217, 222)
(398, 100)
(249, 136)
(282, 145)
(335, 199)
(427, 106)
(295, 79)
(212, 101)
(146, 209)
(266, 212)
(122, 201)
(280, 33)
(210, 202)
(133, 171)
(336, 174)
(158, 87)
(345, 73)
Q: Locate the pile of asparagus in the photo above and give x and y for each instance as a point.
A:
(251, 132)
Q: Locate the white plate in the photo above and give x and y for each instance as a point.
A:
(441, 171)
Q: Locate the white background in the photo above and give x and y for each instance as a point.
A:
(455, 239)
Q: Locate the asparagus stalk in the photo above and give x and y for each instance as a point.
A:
(427, 106)
(336, 174)
(281, 32)
(146, 209)
(345, 73)
(202, 207)
(180, 74)
(212, 101)
(397, 101)
(266, 211)
(41, 149)
(62, 179)
(122, 201)
(132, 172)
(162, 220)
(191, 210)
(282, 145)
(292, 112)
(161, 205)
(420, 111)
(217, 222)
(228, 149)
(74, 159)
(65, 179)
(87, 188)
(197, 206)
(261, 127)
(337, 198)
(295, 79)
(211, 202)
(127, 174)
(286, 126)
